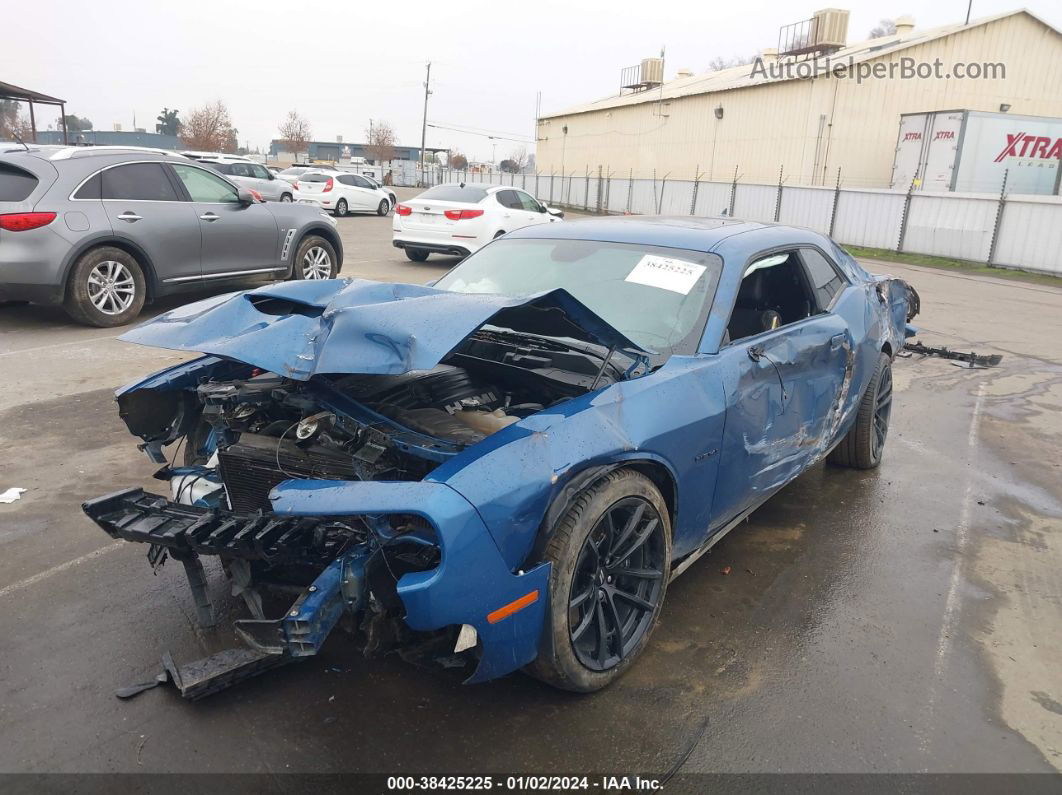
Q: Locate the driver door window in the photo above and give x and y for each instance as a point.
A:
(202, 186)
(773, 293)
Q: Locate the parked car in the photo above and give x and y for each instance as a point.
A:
(254, 176)
(102, 230)
(194, 155)
(510, 466)
(463, 217)
(292, 173)
(341, 193)
(377, 184)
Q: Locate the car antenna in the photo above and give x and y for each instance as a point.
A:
(18, 138)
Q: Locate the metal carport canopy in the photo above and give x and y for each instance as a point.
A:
(9, 91)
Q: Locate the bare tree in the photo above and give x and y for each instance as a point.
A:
(380, 142)
(458, 161)
(518, 157)
(718, 63)
(885, 27)
(208, 128)
(295, 132)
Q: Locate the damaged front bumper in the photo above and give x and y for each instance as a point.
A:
(470, 585)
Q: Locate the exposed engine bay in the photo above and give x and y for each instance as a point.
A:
(266, 429)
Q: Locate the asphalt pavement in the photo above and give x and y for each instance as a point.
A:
(901, 620)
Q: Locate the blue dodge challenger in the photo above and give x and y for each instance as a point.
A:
(503, 470)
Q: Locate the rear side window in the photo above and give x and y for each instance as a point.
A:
(93, 189)
(15, 184)
(347, 180)
(239, 170)
(825, 280)
(138, 182)
(455, 193)
(509, 198)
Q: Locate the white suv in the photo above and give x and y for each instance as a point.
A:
(461, 218)
(341, 193)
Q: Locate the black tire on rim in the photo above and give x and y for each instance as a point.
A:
(611, 555)
(384, 208)
(864, 444)
(315, 258)
(106, 288)
(286, 198)
(341, 208)
(416, 254)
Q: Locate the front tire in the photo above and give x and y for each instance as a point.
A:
(106, 288)
(416, 254)
(315, 259)
(611, 555)
(864, 444)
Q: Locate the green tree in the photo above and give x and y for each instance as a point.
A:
(168, 123)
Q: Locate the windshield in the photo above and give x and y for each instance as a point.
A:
(293, 171)
(657, 297)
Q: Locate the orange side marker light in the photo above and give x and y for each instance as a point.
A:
(513, 607)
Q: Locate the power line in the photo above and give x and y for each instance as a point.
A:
(524, 140)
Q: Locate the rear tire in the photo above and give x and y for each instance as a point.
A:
(384, 208)
(106, 288)
(341, 208)
(315, 259)
(599, 619)
(863, 445)
(416, 254)
(286, 198)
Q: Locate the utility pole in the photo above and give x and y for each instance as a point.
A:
(424, 125)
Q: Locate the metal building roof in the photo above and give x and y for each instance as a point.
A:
(741, 76)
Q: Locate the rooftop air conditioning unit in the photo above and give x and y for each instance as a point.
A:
(831, 28)
(653, 71)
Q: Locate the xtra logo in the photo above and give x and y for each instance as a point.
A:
(1024, 145)
(912, 136)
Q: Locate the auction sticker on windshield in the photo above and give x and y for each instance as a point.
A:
(667, 273)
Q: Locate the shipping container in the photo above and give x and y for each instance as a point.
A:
(969, 151)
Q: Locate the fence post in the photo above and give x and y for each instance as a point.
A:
(551, 187)
(778, 197)
(836, 197)
(733, 193)
(660, 200)
(600, 186)
(630, 187)
(696, 188)
(999, 219)
(568, 193)
(903, 218)
(608, 192)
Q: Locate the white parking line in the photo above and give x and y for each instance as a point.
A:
(44, 575)
(952, 605)
(57, 345)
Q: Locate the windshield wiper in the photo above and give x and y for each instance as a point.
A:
(538, 342)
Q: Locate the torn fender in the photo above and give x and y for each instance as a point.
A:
(301, 328)
(471, 580)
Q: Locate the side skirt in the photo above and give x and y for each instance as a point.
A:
(715, 538)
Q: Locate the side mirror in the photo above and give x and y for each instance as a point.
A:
(270, 176)
(244, 196)
(555, 212)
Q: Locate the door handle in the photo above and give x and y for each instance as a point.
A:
(836, 341)
(130, 217)
(209, 217)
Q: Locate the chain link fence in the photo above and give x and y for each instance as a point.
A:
(1000, 229)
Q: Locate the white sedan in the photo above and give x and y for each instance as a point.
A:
(341, 193)
(461, 218)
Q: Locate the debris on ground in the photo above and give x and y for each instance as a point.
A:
(726, 570)
(973, 361)
(11, 494)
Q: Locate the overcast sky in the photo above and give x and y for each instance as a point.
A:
(340, 64)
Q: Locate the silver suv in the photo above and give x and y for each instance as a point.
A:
(101, 230)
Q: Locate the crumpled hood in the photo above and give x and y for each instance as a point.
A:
(301, 328)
